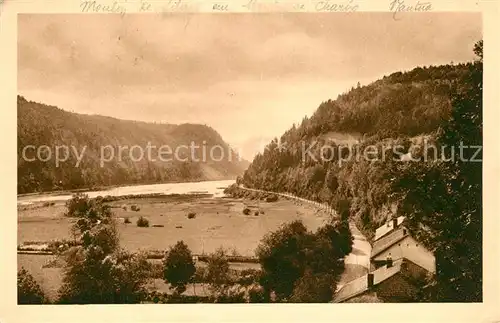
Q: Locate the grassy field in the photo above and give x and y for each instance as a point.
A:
(219, 222)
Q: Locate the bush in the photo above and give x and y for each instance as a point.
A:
(28, 290)
(92, 277)
(97, 271)
(191, 215)
(179, 266)
(80, 205)
(256, 213)
(272, 198)
(313, 288)
(135, 208)
(256, 294)
(230, 296)
(217, 271)
(246, 211)
(126, 220)
(294, 264)
(142, 222)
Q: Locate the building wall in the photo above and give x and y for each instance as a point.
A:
(396, 289)
(411, 249)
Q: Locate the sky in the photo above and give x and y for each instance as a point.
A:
(249, 76)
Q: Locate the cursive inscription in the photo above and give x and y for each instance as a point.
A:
(96, 7)
(176, 5)
(397, 6)
(273, 6)
(220, 7)
(327, 5)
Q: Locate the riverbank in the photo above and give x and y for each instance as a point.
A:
(215, 188)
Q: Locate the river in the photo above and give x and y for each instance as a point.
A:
(210, 187)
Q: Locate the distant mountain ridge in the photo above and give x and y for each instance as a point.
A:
(44, 125)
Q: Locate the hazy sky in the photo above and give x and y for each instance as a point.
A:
(248, 76)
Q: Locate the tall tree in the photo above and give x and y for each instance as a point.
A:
(179, 266)
(445, 196)
(97, 271)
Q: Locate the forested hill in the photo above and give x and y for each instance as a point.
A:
(40, 124)
(438, 104)
(395, 109)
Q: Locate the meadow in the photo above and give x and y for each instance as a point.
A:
(219, 222)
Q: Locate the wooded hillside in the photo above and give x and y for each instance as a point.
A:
(40, 124)
(395, 115)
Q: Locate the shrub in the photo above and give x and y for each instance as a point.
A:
(156, 270)
(88, 211)
(217, 271)
(142, 222)
(93, 277)
(256, 213)
(178, 266)
(191, 215)
(135, 208)
(256, 294)
(313, 288)
(231, 295)
(246, 211)
(199, 275)
(294, 264)
(126, 220)
(28, 290)
(272, 198)
(97, 271)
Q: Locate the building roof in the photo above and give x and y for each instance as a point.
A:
(360, 285)
(388, 240)
(386, 228)
(420, 258)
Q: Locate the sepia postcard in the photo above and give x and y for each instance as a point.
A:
(273, 152)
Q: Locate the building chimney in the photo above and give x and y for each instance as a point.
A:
(389, 261)
(370, 280)
(394, 223)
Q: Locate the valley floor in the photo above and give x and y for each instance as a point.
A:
(219, 222)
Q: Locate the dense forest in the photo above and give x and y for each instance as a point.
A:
(395, 117)
(40, 124)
